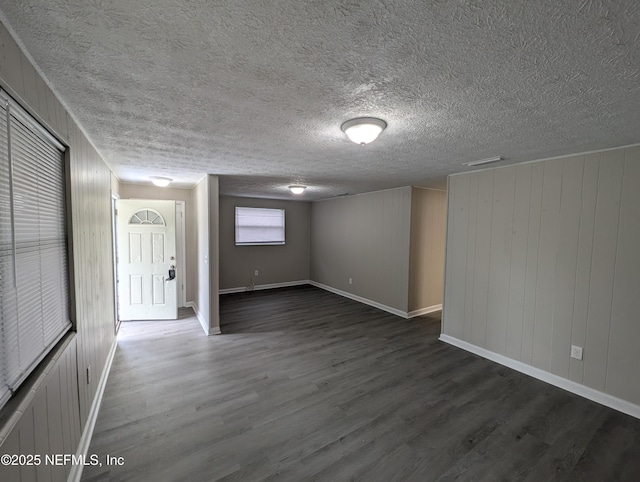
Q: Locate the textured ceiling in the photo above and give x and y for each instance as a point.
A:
(256, 91)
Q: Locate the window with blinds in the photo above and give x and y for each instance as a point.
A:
(33, 249)
(259, 226)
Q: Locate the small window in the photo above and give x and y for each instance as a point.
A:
(34, 290)
(259, 226)
(147, 216)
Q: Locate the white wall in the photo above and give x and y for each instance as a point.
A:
(207, 303)
(544, 255)
(201, 280)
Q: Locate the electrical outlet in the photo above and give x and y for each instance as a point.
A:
(350, 281)
(255, 273)
(576, 352)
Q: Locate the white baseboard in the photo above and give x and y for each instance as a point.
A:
(346, 294)
(207, 330)
(268, 286)
(424, 311)
(85, 440)
(366, 301)
(375, 304)
(590, 393)
(203, 323)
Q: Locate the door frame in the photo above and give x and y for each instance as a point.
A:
(114, 234)
(181, 253)
(146, 237)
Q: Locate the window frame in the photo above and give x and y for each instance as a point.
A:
(254, 241)
(42, 146)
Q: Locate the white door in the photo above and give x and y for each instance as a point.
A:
(147, 259)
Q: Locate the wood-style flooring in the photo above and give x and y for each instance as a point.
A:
(307, 385)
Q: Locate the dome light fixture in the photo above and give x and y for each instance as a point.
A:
(363, 130)
(160, 181)
(297, 188)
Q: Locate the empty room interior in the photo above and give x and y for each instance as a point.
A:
(338, 240)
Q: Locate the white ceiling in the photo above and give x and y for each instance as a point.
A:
(256, 91)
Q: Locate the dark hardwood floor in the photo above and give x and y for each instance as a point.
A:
(307, 385)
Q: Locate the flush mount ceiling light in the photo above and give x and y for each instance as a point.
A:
(483, 161)
(297, 188)
(363, 130)
(160, 181)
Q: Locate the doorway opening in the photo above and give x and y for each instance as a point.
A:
(149, 258)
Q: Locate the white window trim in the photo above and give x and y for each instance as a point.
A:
(16, 332)
(259, 226)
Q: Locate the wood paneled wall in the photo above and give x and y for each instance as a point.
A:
(48, 421)
(544, 255)
(92, 261)
(63, 394)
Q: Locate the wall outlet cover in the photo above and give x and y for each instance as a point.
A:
(576, 352)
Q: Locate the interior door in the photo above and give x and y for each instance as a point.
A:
(147, 259)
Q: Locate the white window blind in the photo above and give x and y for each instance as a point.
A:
(33, 249)
(259, 226)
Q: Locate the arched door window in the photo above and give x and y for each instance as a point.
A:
(147, 216)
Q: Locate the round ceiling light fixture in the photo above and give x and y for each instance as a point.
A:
(363, 130)
(160, 181)
(297, 188)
